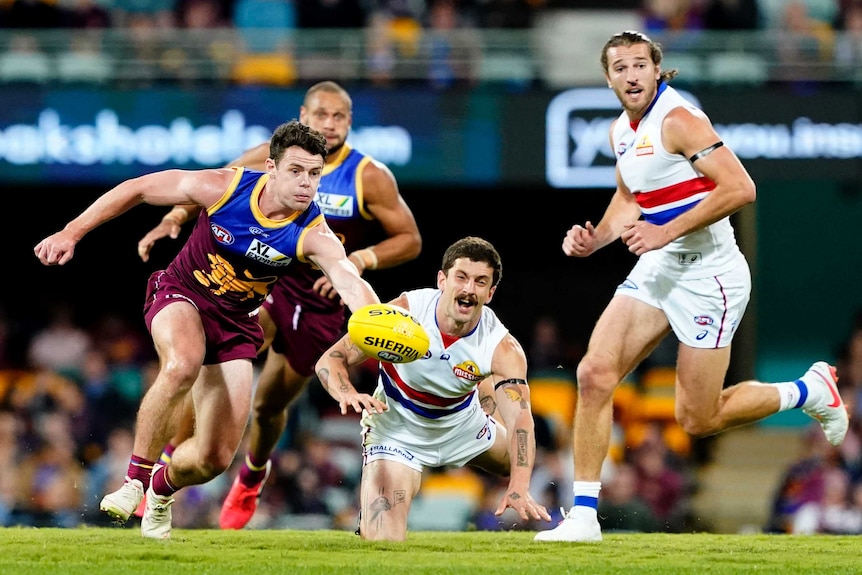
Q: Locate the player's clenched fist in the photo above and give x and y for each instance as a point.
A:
(580, 241)
(56, 249)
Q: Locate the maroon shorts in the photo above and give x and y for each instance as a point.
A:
(229, 335)
(303, 335)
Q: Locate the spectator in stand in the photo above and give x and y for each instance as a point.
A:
(802, 482)
(51, 478)
(209, 54)
(86, 14)
(834, 513)
(622, 509)
(61, 344)
(453, 47)
(24, 62)
(547, 350)
(804, 45)
(671, 15)
(11, 429)
(848, 51)
(660, 486)
(161, 12)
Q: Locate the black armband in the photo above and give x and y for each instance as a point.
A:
(513, 381)
(705, 152)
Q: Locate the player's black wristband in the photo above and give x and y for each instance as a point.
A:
(513, 380)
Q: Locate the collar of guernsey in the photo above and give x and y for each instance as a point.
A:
(659, 91)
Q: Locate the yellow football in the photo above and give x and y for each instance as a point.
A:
(388, 333)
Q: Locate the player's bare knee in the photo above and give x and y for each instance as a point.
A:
(215, 462)
(596, 378)
(268, 412)
(697, 425)
(180, 374)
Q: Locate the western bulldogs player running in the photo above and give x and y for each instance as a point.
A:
(677, 185)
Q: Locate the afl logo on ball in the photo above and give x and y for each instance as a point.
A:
(221, 235)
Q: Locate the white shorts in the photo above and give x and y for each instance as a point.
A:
(455, 446)
(702, 313)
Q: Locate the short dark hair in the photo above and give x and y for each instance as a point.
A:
(631, 37)
(293, 133)
(477, 250)
(329, 87)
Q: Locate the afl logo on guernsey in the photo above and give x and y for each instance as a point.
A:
(221, 235)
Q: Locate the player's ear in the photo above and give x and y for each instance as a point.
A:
(441, 279)
(491, 294)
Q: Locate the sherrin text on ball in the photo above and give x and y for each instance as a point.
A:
(388, 333)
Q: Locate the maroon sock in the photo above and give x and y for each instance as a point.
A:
(140, 469)
(251, 477)
(167, 454)
(161, 483)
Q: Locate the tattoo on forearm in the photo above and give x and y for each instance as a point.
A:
(343, 385)
(489, 406)
(338, 354)
(523, 447)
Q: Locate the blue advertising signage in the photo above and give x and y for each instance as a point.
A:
(103, 136)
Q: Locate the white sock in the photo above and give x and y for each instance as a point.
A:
(586, 496)
(793, 394)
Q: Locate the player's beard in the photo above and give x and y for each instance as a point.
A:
(333, 151)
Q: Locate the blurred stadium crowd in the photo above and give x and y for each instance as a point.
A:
(439, 43)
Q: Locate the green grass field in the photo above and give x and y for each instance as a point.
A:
(114, 551)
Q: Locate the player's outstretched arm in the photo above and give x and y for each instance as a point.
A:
(169, 187)
(171, 223)
(323, 247)
(513, 403)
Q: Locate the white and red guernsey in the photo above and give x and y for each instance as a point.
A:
(666, 185)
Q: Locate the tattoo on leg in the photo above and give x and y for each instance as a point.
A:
(378, 506)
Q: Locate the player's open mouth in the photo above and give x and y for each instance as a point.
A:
(465, 303)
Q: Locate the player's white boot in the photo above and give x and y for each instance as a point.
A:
(576, 526)
(825, 404)
(156, 522)
(122, 503)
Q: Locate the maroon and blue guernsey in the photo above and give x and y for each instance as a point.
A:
(235, 253)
